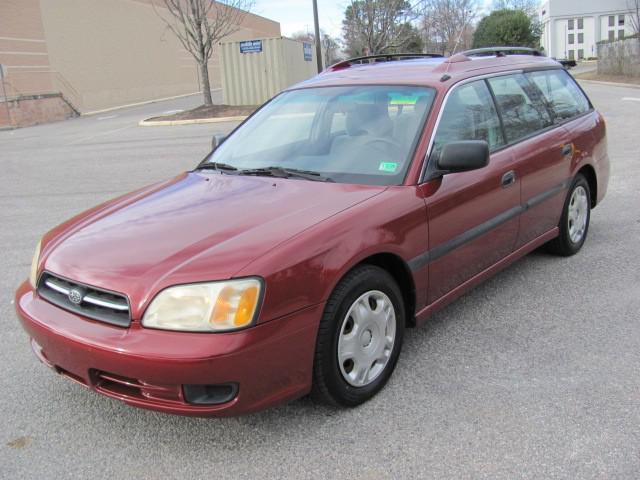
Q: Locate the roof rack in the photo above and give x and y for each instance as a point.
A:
(501, 51)
(389, 57)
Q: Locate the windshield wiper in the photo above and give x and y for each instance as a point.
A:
(282, 172)
(215, 166)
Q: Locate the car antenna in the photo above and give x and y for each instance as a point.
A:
(445, 76)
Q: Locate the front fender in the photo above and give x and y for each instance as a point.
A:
(304, 270)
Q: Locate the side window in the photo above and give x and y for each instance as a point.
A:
(563, 96)
(522, 108)
(469, 114)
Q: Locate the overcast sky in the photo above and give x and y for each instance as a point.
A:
(297, 15)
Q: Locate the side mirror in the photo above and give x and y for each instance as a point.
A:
(217, 140)
(463, 156)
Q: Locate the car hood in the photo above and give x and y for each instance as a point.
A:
(200, 226)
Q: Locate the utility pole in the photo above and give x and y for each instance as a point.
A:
(318, 39)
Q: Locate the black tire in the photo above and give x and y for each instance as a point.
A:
(562, 244)
(329, 385)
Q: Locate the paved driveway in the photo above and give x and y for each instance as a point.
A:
(535, 374)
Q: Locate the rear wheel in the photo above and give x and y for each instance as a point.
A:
(574, 223)
(359, 338)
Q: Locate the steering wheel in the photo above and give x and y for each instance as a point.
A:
(392, 143)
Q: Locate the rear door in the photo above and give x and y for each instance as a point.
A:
(473, 216)
(546, 149)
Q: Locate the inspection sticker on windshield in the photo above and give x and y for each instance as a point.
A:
(388, 167)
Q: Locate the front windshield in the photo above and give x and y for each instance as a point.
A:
(354, 134)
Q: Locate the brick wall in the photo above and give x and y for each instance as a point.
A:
(102, 53)
(33, 110)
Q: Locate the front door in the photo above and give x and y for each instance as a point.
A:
(473, 216)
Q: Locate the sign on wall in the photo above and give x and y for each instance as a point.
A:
(251, 46)
(308, 55)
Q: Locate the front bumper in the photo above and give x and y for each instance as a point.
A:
(271, 362)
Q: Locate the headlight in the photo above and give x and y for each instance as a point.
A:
(205, 307)
(33, 275)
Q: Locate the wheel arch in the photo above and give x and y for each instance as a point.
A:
(401, 273)
(590, 174)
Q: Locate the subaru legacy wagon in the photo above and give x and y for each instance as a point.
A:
(293, 257)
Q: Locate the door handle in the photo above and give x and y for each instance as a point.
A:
(567, 149)
(508, 178)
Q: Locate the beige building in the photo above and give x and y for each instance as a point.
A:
(98, 54)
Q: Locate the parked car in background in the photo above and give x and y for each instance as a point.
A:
(292, 259)
(567, 63)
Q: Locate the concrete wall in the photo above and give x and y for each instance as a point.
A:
(102, 53)
(620, 58)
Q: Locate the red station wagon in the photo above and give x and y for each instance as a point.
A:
(292, 258)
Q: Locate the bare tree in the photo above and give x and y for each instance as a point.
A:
(330, 45)
(330, 48)
(377, 26)
(530, 7)
(199, 25)
(448, 24)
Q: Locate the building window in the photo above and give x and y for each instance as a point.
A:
(570, 39)
(580, 24)
(571, 24)
(612, 20)
(580, 54)
(581, 38)
(621, 20)
(620, 34)
(572, 55)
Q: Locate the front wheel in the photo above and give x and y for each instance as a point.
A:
(574, 223)
(359, 337)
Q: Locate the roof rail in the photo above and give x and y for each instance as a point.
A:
(502, 51)
(388, 57)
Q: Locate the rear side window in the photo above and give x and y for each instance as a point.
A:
(564, 97)
(521, 105)
(469, 114)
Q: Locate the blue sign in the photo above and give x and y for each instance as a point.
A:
(251, 46)
(308, 52)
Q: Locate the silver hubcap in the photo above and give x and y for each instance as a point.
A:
(366, 340)
(578, 213)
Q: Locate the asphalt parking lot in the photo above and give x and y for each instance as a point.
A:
(534, 374)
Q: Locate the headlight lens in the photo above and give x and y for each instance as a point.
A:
(33, 275)
(205, 307)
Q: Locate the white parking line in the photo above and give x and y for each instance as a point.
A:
(80, 140)
(633, 99)
(106, 117)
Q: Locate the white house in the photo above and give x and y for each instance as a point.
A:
(571, 28)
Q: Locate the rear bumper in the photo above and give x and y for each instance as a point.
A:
(271, 363)
(603, 172)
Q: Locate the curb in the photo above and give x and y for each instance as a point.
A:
(170, 123)
(613, 84)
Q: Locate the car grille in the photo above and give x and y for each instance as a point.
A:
(91, 302)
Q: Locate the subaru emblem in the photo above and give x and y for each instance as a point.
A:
(75, 296)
